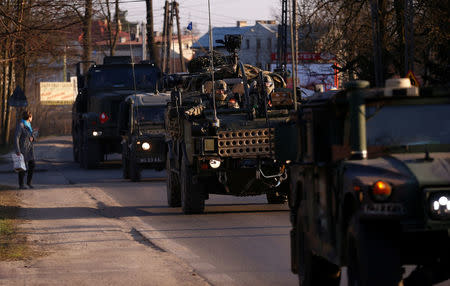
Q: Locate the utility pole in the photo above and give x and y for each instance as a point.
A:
(180, 44)
(164, 37)
(87, 41)
(294, 50)
(169, 37)
(376, 33)
(282, 36)
(150, 32)
(171, 11)
(409, 36)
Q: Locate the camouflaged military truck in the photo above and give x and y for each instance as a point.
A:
(228, 149)
(141, 124)
(370, 185)
(101, 89)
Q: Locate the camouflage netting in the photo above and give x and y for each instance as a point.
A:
(201, 64)
(223, 69)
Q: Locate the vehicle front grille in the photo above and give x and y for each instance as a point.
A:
(246, 142)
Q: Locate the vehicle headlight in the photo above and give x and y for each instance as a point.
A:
(439, 204)
(381, 191)
(96, 133)
(146, 146)
(214, 163)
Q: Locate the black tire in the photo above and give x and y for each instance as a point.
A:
(125, 168)
(134, 169)
(172, 186)
(313, 270)
(278, 195)
(373, 255)
(276, 198)
(192, 195)
(75, 150)
(89, 154)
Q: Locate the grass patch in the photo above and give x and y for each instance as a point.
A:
(13, 245)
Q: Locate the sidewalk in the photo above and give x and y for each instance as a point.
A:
(83, 244)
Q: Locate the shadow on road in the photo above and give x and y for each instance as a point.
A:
(131, 211)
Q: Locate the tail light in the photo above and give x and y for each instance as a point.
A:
(381, 191)
(103, 118)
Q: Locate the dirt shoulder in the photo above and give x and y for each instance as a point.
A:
(71, 240)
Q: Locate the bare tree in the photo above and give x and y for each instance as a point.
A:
(29, 30)
(346, 29)
(150, 32)
(112, 24)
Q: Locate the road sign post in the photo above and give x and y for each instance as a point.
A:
(412, 78)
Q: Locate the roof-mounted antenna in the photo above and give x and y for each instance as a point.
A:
(134, 79)
(216, 122)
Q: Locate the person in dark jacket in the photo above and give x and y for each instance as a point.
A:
(24, 143)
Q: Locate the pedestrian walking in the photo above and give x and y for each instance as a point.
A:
(24, 143)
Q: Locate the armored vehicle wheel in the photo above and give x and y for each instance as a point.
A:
(172, 186)
(192, 199)
(313, 270)
(279, 195)
(276, 198)
(76, 151)
(76, 154)
(125, 168)
(373, 256)
(134, 169)
(90, 151)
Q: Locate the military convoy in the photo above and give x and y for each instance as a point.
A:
(370, 185)
(101, 90)
(369, 169)
(224, 144)
(141, 124)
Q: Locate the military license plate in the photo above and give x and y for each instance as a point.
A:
(151, 160)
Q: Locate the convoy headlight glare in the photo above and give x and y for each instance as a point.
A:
(146, 146)
(440, 205)
(214, 163)
(435, 206)
(443, 201)
(96, 133)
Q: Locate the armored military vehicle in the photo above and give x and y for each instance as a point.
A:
(370, 185)
(223, 144)
(101, 89)
(141, 123)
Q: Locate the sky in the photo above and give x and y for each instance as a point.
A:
(224, 13)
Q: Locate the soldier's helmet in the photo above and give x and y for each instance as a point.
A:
(220, 87)
(268, 84)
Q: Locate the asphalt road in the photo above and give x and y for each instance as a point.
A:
(238, 241)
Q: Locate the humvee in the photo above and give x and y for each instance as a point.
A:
(141, 123)
(101, 89)
(370, 185)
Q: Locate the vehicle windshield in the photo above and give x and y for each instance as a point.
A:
(399, 125)
(121, 77)
(150, 114)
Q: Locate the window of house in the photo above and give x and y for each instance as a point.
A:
(269, 44)
(258, 44)
(247, 44)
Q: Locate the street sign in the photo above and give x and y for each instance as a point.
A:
(412, 78)
(18, 98)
